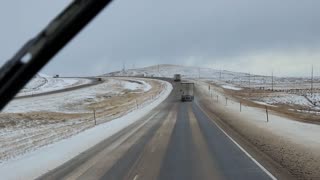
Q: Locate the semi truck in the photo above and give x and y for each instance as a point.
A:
(187, 91)
(177, 77)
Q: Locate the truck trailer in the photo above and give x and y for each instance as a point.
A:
(177, 77)
(187, 91)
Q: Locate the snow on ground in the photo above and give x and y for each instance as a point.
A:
(136, 84)
(290, 99)
(293, 144)
(73, 101)
(231, 87)
(51, 156)
(314, 98)
(43, 83)
(31, 123)
(301, 133)
(263, 103)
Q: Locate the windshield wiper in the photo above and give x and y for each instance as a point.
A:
(36, 53)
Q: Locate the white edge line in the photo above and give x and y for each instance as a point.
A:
(136, 177)
(242, 149)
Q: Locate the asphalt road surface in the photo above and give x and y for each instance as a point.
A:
(177, 140)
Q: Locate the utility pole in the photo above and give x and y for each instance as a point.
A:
(94, 117)
(312, 80)
(249, 80)
(199, 72)
(272, 80)
(220, 75)
(249, 84)
(267, 112)
(124, 66)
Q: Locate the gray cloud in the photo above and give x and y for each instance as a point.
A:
(230, 34)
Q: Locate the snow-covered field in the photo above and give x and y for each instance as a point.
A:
(298, 131)
(42, 83)
(30, 123)
(75, 101)
(289, 99)
(231, 87)
(66, 149)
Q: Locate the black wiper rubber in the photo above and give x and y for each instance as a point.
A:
(16, 72)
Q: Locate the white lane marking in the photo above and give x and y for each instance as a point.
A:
(241, 148)
(136, 177)
(114, 145)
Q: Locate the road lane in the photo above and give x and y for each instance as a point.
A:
(179, 162)
(148, 166)
(206, 161)
(232, 162)
(122, 168)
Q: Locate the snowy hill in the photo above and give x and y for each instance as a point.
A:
(221, 77)
(167, 70)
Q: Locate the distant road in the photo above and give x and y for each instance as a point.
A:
(176, 141)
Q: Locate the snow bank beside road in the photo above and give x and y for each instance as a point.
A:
(231, 87)
(33, 165)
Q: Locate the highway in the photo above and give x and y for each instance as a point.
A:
(177, 140)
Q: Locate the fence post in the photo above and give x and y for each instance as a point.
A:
(240, 106)
(137, 104)
(226, 101)
(94, 117)
(267, 114)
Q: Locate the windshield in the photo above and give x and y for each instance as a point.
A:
(206, 89)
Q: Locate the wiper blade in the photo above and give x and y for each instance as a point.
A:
(36, 53)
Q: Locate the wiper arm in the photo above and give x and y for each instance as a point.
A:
(16, 73)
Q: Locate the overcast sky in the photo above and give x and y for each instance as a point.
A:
(255, 36)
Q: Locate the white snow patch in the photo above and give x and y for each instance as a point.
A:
(136, 85)
(131, 86)
(286, 99)
(231, 87)
(263, 103)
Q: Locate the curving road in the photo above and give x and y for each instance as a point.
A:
(175, 141)
(94, 81)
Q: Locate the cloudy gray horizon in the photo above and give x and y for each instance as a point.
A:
(255, 36)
